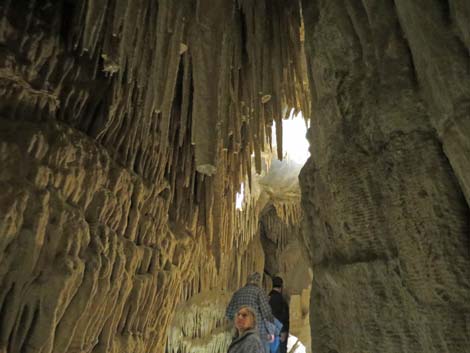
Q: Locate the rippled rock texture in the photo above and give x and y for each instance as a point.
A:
(127, 128)
(386, 191)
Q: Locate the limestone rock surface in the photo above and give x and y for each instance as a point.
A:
(126, 129)
(385, 193)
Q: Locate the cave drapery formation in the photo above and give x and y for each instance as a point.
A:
(126, 128)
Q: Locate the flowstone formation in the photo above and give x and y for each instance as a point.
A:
(386, 192)
(126, 129)
(199, 325)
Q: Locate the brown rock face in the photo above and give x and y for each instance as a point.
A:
(385, 193)
(87, 257)
(280, 229)
(127, 127)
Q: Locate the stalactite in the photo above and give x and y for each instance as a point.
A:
(143, 137)
(281, 221)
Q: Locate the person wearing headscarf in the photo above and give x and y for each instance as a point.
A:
(246, 338)
(253, 295)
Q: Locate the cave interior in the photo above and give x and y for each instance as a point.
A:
(145, 172)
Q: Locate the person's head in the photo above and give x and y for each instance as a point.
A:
(278, 282)
(245, 319)
(254, 278)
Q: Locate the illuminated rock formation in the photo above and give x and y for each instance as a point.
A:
(127, 128)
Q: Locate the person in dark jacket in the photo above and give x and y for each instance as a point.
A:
(246, 339)
(280, 310)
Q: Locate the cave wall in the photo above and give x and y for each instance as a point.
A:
(88, 260)
(285, 256)
(126, 129)
(385, 193)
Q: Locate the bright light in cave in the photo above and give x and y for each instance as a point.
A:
(294, 146)
(294, 345)
(294, 142)
(239, 197)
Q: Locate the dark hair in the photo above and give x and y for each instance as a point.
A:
(278, 282)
